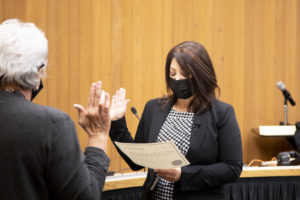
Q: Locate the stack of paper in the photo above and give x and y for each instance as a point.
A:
(284, 130)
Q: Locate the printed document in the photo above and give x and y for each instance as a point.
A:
(160, 155)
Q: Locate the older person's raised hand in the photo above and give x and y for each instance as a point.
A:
(95, 119)
(118, 105)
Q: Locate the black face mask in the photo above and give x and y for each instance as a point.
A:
(181, 88)
(36, 91)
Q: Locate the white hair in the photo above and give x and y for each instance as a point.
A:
(23, 49)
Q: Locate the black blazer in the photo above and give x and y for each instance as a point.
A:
(215, 152)
(40, 157)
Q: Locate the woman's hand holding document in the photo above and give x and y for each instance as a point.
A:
(161, 155)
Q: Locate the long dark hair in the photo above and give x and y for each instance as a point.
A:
(194, 62)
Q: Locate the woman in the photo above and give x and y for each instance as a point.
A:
(40, 157)
(203, 128)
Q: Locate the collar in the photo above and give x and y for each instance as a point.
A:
(12, 91)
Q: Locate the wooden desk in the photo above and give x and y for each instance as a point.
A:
(249, 172)
(127, 180)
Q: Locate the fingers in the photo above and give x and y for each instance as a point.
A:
(91, 96)
(118, 95)
(122, 94)
(107, 100)
(171, 175)
(79, 108)
(164, 172)
(104, 102)
(97, 94)
(102, 98)
(127, 101)
(98, 99)
(114, 99)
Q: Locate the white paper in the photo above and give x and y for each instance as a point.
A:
(284, 130)
(161, 155)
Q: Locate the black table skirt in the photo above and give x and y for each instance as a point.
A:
(267, 188)
(271, 188)
(132, 193)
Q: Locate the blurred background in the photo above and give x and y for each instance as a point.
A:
(252, 43)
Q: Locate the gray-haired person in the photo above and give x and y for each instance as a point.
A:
(40, 156)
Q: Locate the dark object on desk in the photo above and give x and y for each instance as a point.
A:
(110, 173)
(282, 123)
(288, 158)
(297, 136)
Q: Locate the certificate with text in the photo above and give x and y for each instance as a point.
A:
(160, 155)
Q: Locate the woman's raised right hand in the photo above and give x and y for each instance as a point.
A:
(118, 105)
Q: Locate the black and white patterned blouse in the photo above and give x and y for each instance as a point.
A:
(176, 128)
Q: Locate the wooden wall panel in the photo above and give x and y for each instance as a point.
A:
(14, 9)
(1, 10)
(252, 43)
(296, 65)
(75, 92)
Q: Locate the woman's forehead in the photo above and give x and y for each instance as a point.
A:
(174, 64)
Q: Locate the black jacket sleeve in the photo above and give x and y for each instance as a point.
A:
(229, 165)
(120, 133)
(70, 174)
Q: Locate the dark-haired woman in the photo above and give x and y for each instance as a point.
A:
(203, 128)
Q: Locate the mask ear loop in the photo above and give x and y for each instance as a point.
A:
(1, 81)
(38, 68)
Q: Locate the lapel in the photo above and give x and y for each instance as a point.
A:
(159, 119)
(198, 127)
(198, 132)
